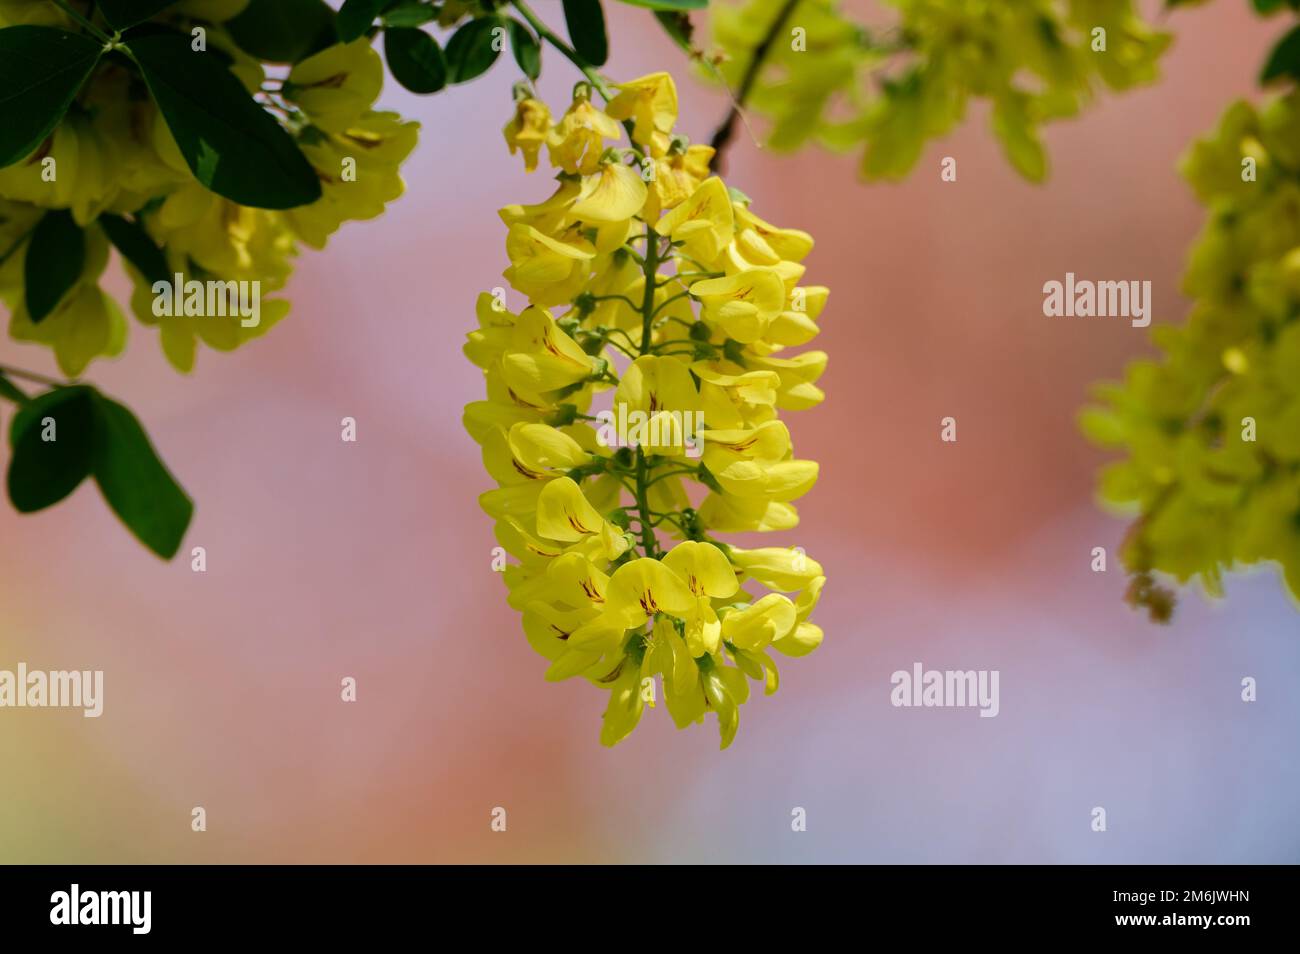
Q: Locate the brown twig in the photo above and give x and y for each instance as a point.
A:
(722, 137)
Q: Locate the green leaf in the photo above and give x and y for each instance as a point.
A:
(231, 144)
(411, 13)
(1285, 58)
(355, 18)
(527, 51)
(415, 59)
(284, 31)
(669, 4)
(473, 49)
(135, 245)
(135, 482)
(586, 22)
(127, 13)
(55, 260)
(678, 26)
(41, 70)
(42, 472)
(10, 391)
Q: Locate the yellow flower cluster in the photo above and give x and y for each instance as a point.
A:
(645, 416)
(1211, 429)
(113, 153)
(1033, 60)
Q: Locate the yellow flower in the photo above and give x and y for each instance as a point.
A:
(614, 193)
(658, 400)
(700, 374)
(550, 271)
(708, 576)
(650, 102)
(179, 335)
(705, 223)
(527, 130)
(804, 636)
(86, 323)
(338, 85)
(578, 141)
(223, 239)
(626, 700)
(758, 624)
(359, 168)
(541, 357)
(744, 304)
(782, 568)
(760, 243)
(733, 398)
(641, 588)
(797, 390)
(676, 177)
(757, 463)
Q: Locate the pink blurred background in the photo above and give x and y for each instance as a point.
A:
(372, 560)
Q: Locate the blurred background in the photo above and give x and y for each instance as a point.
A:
(372, 560)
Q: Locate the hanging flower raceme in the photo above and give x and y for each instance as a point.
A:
(1211, 427)
(827, 78)
(633, 411)
(114, 165)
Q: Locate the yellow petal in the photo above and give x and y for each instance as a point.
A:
(563, 513)
(781, 568)
(757, 625)
(705, 222)
(614, 194)
(704, 568)
(640, 588)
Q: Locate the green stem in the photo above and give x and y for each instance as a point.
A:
(614, 344)
(668, 301)
(672, 473)
(673, 518)
(650, 268)
(630, 302)
(96, 31)
(31, 376)
(674, 354)
(648, 542)
(544, 32)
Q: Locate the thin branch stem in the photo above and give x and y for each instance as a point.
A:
(725, 132)
(671, 473)
(619, 347)
(543, 31)
(668, 301)
(31, 376)
(595, 79)
(631, 304)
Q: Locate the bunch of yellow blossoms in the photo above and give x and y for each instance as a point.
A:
(1212, 428)
(1034, 60)
(677, 307)
(113, 153)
